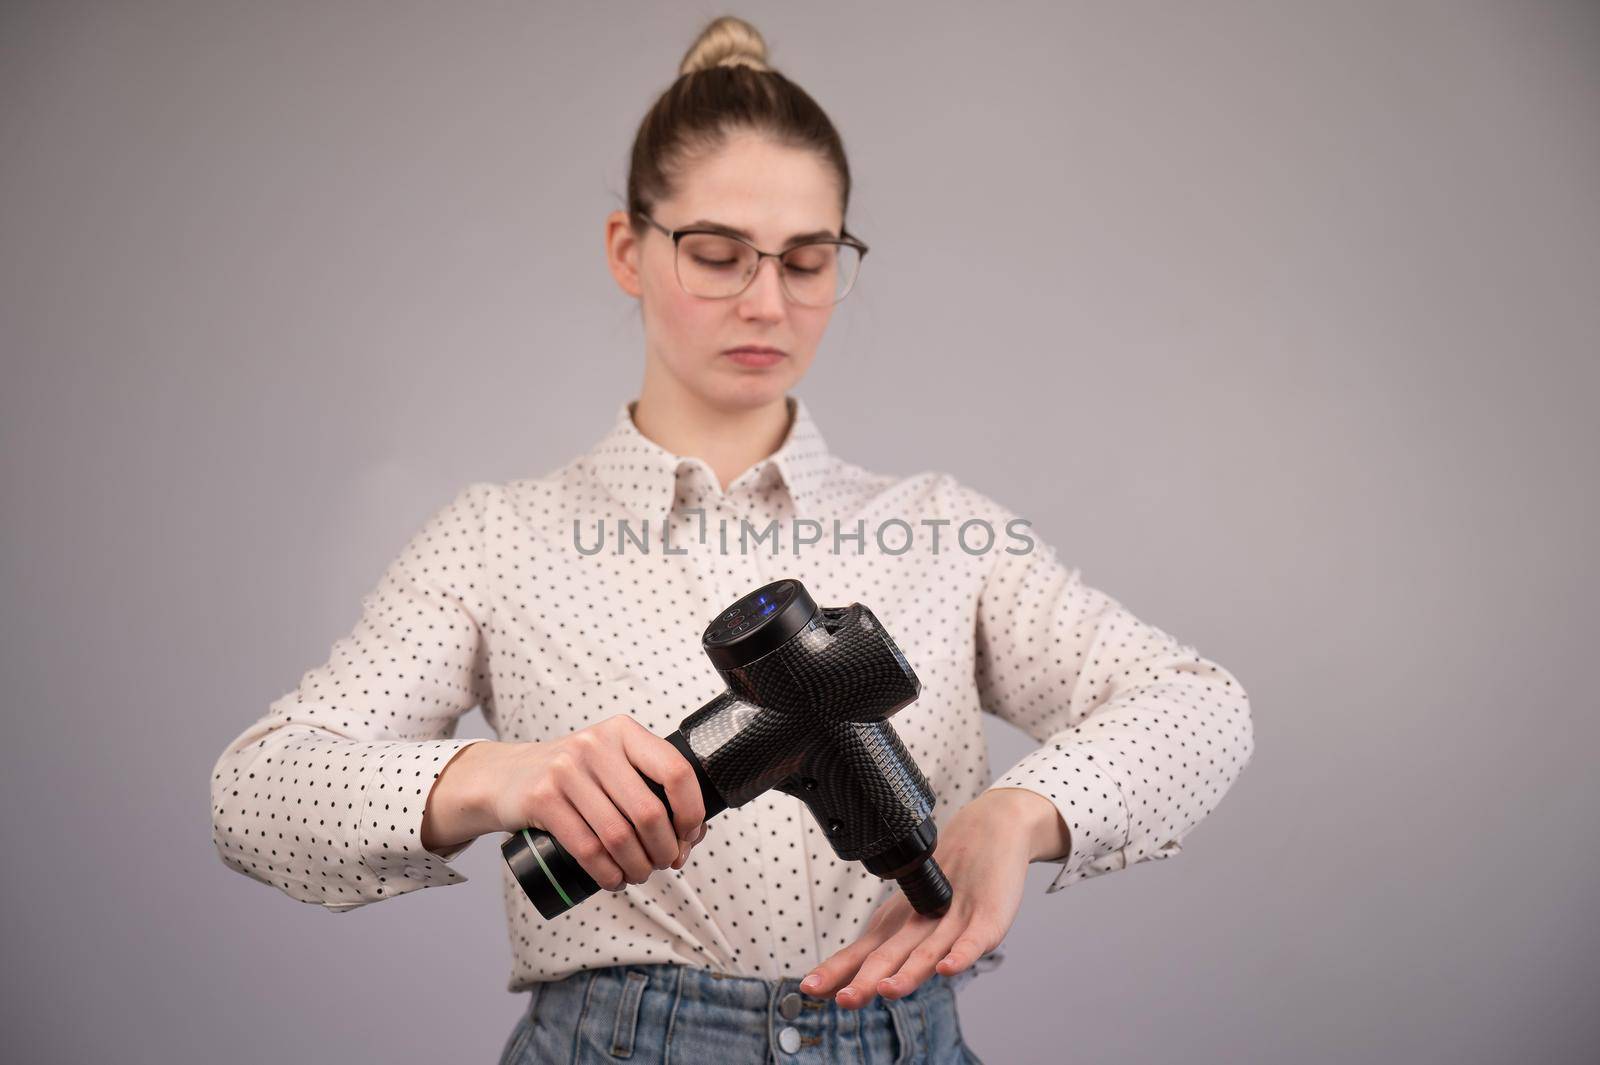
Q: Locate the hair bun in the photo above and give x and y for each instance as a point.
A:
(728, 41)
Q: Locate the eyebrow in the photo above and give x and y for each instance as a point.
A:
(732, 231)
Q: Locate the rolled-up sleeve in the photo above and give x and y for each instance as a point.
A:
(1140, 735)
(323, 796)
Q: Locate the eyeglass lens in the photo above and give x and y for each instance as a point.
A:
(814, 274)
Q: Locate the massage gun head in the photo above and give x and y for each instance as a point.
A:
(776, 648)
(809, 693)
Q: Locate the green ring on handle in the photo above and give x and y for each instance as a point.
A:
(548, 874)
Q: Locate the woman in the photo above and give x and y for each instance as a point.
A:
(540, 601)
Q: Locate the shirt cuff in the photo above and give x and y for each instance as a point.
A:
(396, 794)
(1089, 800)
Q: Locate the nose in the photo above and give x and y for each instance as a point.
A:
(764, 297)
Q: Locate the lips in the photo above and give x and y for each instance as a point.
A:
(754, 356)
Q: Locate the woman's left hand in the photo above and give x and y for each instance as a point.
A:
(984, 852)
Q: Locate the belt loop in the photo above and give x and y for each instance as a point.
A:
(538, 994)
(633, 985)
(672, 1016)
(904, 1029)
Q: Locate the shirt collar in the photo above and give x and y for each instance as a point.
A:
(643, 475)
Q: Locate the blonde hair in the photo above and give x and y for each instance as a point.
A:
(725, 85)
(728, 41)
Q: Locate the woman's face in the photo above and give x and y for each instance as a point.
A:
(771, 193)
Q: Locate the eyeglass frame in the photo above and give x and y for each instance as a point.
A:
(678, 234)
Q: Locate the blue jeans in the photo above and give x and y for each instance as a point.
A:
(688, 1015)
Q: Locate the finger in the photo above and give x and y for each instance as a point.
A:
(663, 763)
(925, 956)
(886, 959)
(688, 846)
(612, 826)
(980, 936)
(621, 780)
(840, 966)
(563, 821)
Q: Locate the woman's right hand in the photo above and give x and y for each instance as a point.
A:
(586, 790)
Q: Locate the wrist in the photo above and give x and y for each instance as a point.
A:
(459, 807)
(1048, 837)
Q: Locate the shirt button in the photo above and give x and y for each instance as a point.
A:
(789, 1040)
(789, 1006)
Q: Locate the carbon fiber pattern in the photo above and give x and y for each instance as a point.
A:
(811, 720)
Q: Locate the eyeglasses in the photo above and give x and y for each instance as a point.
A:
(717, 265)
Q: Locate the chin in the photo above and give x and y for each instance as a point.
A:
(751, 389)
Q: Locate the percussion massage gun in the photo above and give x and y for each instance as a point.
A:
(809, 693)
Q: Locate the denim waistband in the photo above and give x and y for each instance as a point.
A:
(679, 1013)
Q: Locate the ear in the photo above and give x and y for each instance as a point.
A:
(622, 253)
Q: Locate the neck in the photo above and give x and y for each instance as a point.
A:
(729, 440)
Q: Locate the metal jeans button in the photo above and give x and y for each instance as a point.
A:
(789, 1039)
(789, 1006)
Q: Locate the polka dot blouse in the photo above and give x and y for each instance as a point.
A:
(557, 601)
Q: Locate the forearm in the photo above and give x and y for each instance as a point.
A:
(1049, 837)
(459, 808)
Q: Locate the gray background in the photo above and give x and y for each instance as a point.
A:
(1279, 320)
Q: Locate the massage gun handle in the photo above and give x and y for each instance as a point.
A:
(552, 878)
